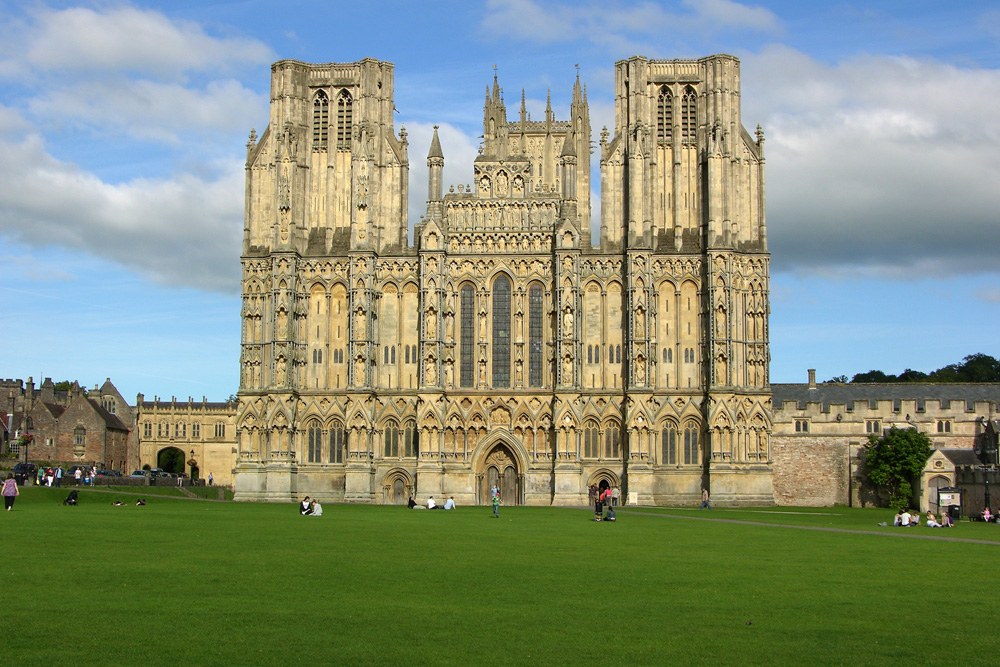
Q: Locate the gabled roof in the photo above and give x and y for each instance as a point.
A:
(110, 420)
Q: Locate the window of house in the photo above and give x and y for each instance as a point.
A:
(147, 430)
(220, 430)
(944, 426)
(196, 430)
(873, 426)
(801, 426)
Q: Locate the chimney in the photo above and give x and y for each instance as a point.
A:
(812, 378)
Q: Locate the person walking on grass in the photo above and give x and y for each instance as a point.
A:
(496, 506)
(9, 492)
(704, 500)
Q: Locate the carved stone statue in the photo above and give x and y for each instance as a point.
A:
(430, 372)
(567, 369)
(359, 324)
(568, 323)
(431, 325)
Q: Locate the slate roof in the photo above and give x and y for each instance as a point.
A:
(827, 393)
(962, 457)
(110, 420)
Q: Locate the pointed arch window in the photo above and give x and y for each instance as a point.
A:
(321, 121)
(591, 440)
(535, 336)
(466, 367)
(689, 116)
(338, 442)
(392, 440)
(410, 444)
(314, 442)
(501, 332)
(664, 116)
(669, 437)
(345, 119)
(612, 433)
(692, 447)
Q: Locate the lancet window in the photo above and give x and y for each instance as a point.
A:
(338, 442)
(314, 444)
(535, 342)
(664, 116)
(591, 440)
(669, 442)
(321, 121)
(689, 119)
(501, 332)
(345, 113)
(612, 433)
(466, 364)
(692, 448)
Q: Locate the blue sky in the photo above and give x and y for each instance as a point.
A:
(123, 125)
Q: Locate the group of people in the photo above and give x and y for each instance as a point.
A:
(121, 503)
(904, 518)
(431, 504)
(310, 507)
(610, 496)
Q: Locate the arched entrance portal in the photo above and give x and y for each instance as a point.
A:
(500, 472)
(170, 459)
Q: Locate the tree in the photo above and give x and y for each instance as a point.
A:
(838, 379)
(895, 460)
(872, 376)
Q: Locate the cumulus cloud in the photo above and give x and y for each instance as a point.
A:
(617, 25)
(880, 165)
(119, 39)
(182, 230)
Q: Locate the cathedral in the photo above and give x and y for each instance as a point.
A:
(506, 346)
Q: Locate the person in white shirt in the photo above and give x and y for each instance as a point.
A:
(430, 503)
(450, 503)
(905, 519)
(317, 509)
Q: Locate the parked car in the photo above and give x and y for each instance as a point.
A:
(109, 473)
(138, 473)
(24, 471)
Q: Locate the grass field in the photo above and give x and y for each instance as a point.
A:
(188, 582)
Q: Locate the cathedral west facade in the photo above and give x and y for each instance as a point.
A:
(506, 346)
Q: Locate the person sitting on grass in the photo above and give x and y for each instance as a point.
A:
(932, 521)
(411, 503)
(986, 515)
(450, 503)
(915, 519)
(947, 522)
(317, 509)
(898, 521)
(904, 519)
(141, 502)
(305, 507)
(431, 504)
(119, 503)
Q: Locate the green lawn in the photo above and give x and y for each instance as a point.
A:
(209, 583)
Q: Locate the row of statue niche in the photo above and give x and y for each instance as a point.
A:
(500, 243)
(506, 217)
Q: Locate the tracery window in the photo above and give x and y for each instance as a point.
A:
(664, 115)
(338, 442)
(591, 440)
(345, 112)
(669, 438)
(195, 430)
(501, 332)
(689, 121)
(321, 121)
(535, 336)
(314, 446)
(147, 430)
(466, 366)
(611, 443)
(410, 445)
(391, 448)
(692, 448)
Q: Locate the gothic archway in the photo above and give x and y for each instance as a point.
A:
(499, 469)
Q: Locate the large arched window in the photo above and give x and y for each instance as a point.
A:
(345, 113)
(692, 447)
(391, 448)
(410, 445)
(501, 332)
(535, 305)
(669, 438)
(664, 116)
(466, 363)
(612, 433)
(338, 442)
(591, 440)
(321, 121)
(689, 119)
(314, 444)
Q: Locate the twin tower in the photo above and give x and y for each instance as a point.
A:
(506, 347)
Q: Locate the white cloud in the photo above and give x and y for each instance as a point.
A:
(617, 25)
(881, 165)
(153, 110)
(120, 39)
(178, 231)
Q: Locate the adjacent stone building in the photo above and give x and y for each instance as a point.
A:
(197, 438)
(506, 346)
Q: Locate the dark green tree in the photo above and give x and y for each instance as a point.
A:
(838, 379)
(895, 460)
(873, 376)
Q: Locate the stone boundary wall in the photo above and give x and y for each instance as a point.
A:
(810, 470)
